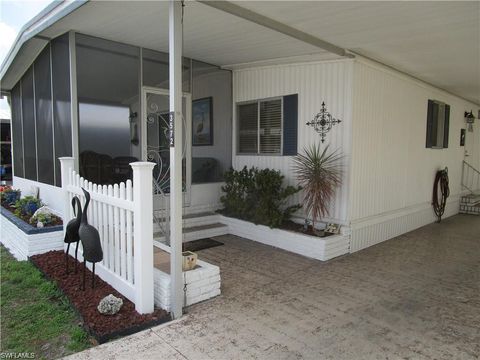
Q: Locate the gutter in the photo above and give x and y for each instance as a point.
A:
(26, 33)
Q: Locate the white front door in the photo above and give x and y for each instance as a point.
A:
(155, 143)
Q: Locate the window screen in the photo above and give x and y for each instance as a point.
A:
(271, 126)
(248, 128)
(108, 108)
(17, 132)
(61, 102)
(211, 160)
(156, 73)
(29, 137)
(43, 111)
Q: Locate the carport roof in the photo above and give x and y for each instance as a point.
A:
(438, 43)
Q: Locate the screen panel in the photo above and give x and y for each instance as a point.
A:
(61, 102)
(43, 110)
(29, 132)
(108, 109)
(17, 132)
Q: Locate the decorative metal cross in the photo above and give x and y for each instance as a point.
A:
(323, 122)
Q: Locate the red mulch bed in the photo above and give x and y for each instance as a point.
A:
(102, 327)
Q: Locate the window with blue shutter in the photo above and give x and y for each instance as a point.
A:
(268, 126)
(438, 123)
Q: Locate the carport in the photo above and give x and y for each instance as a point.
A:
(232, 35)
(415, 296)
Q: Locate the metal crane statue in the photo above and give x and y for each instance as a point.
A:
(90, 238)
(71, 233)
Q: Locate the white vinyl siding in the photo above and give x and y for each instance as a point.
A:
(314, 82)
(260, 127)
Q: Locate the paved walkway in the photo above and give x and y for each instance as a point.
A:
(413, 297)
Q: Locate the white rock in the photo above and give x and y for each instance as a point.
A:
(109, 305)
(44, 210)
(40, 224)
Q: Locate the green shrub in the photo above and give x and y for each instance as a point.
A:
(27, 206)
(258, 196)
(9, 196)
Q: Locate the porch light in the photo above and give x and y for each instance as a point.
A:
(323, 122)
(470, 119)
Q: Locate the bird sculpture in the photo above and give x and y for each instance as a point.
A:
(71, 233)
(90, 238)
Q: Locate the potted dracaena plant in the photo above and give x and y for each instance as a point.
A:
(319, 173)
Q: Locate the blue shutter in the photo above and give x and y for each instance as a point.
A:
(290, 124)
(430, 111)
(446, 126)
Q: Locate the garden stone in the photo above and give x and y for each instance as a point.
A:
(44, 210)
(110, 305)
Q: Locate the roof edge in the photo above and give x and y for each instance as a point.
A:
(31, 28)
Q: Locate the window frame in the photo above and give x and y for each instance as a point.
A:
(258, 102)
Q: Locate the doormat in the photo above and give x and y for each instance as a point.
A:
(201, 244)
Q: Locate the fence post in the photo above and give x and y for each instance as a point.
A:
(143, 235)
(66, 166)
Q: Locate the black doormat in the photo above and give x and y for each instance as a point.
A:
(201, 244)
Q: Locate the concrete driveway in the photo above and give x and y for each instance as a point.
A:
(414, 297)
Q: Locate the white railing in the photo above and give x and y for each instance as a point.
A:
(470, 178)
(122, 214)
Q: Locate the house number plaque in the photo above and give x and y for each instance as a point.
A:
(171, 128)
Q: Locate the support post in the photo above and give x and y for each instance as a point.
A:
(67, 164)
(72, 51)
(143, 236)
(175, 77)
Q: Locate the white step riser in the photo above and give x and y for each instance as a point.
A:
(194, 221)
(200, 234)
(471, 210)
(470, 200)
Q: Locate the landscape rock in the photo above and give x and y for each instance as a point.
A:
(43, 210)
(110, 305)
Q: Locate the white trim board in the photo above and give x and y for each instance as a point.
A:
(377, 229)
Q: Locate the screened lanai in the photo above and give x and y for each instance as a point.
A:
(131, 72)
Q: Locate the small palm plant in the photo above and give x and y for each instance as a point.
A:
(319, 173)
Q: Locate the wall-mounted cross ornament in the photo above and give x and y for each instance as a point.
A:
(323, 122)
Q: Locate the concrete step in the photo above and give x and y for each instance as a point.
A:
(470, 199)
(472, 209)
(190, 220)
(197, 232)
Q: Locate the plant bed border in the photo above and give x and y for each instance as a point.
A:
(24, 240)
(100, 338)
(27, 228)
(319, 248)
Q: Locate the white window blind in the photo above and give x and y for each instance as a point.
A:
(260, 127)
(248, 128)
(271, 126)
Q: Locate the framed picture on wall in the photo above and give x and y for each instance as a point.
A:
(202, 122)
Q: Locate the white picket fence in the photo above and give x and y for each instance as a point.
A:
(122, 214)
